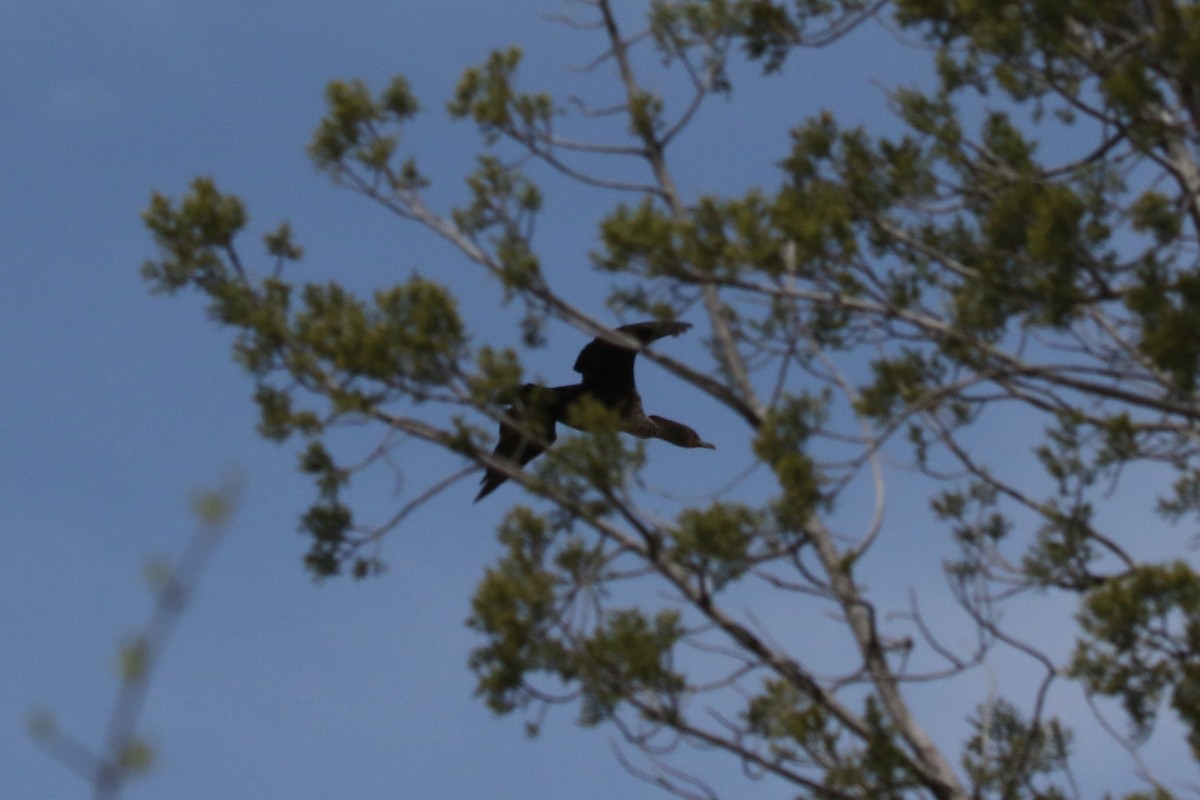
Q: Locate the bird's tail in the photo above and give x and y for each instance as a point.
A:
(491, 480)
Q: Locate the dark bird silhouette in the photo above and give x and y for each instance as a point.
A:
(531, 411)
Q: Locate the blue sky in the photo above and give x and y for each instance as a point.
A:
(117, 405)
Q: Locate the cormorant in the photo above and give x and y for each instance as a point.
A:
(607, 370)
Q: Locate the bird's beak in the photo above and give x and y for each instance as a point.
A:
(707, 446)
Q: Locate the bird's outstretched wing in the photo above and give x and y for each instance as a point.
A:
(607, 368)
(525, 433)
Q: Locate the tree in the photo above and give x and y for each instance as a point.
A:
(878, 316)
(124, 752)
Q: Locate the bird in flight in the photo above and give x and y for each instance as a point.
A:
(531, 411)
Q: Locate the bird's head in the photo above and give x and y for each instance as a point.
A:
(678, 434)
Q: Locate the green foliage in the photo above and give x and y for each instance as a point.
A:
(781, 444)
(643, 235)
(770, 31)
(1168, 305)
(407, 340)
(494, 369)
(277, 419)
(1064, 547)
(1158, 793)
(519, 603)
(629, 656)
(646, 119)
(719, 239)
(679, 28)
(799, 733)
(878, 768)
(1185, 499)
(213, 508)
(1154, 212)
(900, 381)
(1143, 634)
(134, 660)
(194, 237)
(328, 521)
(976, 524)
(716, 542)
(411, 333)
(352, 131)
(1006, 756)
(485, 94)
(136, 757)
(514, 608)
(793, 726)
